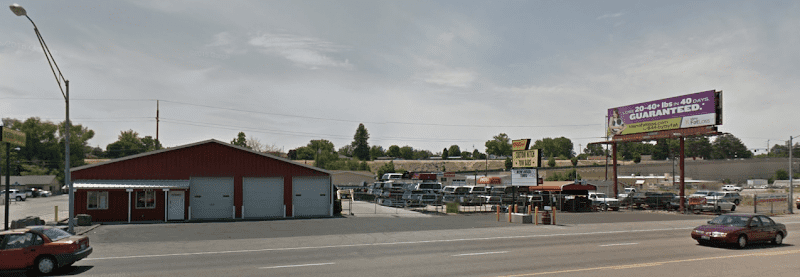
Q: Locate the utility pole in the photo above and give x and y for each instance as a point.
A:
(791, 177)
(157, 119)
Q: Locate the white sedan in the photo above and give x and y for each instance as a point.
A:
(45, 193)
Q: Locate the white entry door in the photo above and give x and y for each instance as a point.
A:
(176, 205)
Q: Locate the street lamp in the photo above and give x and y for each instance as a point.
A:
(20, 11)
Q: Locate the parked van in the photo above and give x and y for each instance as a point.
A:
(391, 176)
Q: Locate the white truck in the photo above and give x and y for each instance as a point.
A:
(731, 188)
(603, 202)
(14, 194)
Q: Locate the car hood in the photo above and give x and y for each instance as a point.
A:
(719, 228)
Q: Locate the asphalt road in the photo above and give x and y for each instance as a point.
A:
(650, 244)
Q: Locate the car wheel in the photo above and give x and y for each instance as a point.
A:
(45, 265)
(718, 209)
(603, 207)
(778, 239)
(733, 208)
(615, 209)
(741, 242)
(736, 202)
(19, 198)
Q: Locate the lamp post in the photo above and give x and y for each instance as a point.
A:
(20, 11)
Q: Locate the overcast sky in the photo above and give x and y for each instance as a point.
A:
(427, 74)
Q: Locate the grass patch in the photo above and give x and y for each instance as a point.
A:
(452, 208)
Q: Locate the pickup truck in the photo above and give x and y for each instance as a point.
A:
(14, 194)
(627, 192)
(698, 204)
(731, 187)
(652, 200)
(603, 202)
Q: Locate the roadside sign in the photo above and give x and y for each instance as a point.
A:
(525, 177)
(527, 158)
(12, 136)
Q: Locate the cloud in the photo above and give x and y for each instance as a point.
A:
(451, 78)
(610, 15)
(303, 51)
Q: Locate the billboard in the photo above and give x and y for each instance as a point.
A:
(527, 158)
(686, 111)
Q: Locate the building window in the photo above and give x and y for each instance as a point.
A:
(97, 200)
(145, 199)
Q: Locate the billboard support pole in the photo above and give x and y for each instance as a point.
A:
(682, 159)
(614, 150)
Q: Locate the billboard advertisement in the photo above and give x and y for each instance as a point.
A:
(691, 110)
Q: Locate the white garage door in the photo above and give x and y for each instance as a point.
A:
(262, 197)
(211, 197)
(311, 196)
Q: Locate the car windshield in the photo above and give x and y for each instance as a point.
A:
(732, 220)
(601, 195)
(719, 194)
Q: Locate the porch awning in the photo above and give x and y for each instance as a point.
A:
(131, 184)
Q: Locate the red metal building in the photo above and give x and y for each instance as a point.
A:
(205, 180)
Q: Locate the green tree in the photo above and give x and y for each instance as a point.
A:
(151, 144)
(551, 162)
(728, 146)
(500, 145)
(594, 150)
(313, 148)
(697, 147)
(445, 154)
(466, 155)
(128, 143)
(44, 146)
(386, 168)
(360, 143)
(509, 163)
(557, 147)
(422, 154)
(574, 161)
(394, 151)
(406, 152)
(376, 151)
(346, 150)
(240, 140)
(454, 150)
(781, 174)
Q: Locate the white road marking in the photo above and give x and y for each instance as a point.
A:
(388, 243)
(484, 253)
(297, 265)
(620, 244)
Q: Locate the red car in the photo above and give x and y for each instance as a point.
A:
(41, 248)
(740, 230)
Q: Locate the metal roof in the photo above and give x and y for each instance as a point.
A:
(131, 184)
(196, 144)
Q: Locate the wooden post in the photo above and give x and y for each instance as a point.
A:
(536, 216)
(509, 214)
(553, 221)
(497, 207)
(529, 209)
(56, 218)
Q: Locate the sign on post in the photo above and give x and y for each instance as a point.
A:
(12, 136)
(525, 176)
(527, 158)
